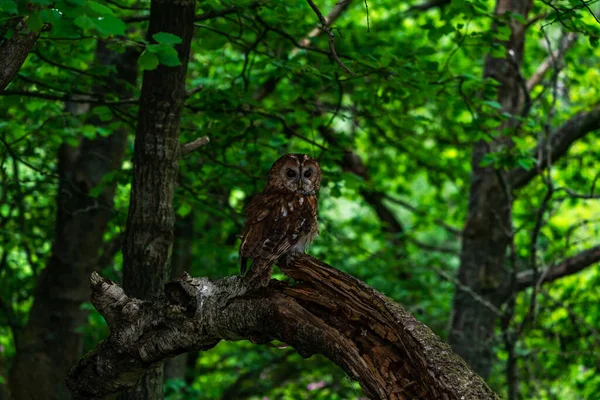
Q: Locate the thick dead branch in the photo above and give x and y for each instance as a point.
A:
(387, 350)
(575, 128)
(569, 266)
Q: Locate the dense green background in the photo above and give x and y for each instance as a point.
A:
(412, 113)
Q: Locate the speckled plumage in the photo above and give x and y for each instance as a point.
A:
(283, 218)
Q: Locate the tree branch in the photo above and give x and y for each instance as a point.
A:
(429, 5)
(326, 28)
(575, 128)
(550, 61)
(271, 84)
(387, 350)
(212, 14)
(569, 266)
(72, 98)
(194, 144)
(331, 17)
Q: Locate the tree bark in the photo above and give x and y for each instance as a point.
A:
(14, 51)
(390, 353)
(50, 343)
(149, 230)
(488, 228)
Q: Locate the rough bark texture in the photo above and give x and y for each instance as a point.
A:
(14, 51)
(488, 226)
(390, 353)
(50, 343)
(149, 231)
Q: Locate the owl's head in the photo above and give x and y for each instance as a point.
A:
(296, 173)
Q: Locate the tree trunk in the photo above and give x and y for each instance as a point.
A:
(50, 343)
(14, 51)
(390, 353)
(488, 228)
(149, 230)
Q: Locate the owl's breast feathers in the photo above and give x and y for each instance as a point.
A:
(277, 224)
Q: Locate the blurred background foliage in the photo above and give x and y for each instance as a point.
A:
(411, 113)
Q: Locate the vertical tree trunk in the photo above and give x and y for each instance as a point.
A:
(50, 343)
(14, 51)
(149, 230)
(488, 228)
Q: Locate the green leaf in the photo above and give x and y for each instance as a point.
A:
(184, 210)
(110, 25)
(84, 22)
(503, 33)
(89, 131)
(9, 6)
(103, 112)
(169, 57)
(489, 159)
(498, 51)
(99, 8)
(166, 38)
(526, 163)
(518, 17)
(493, 104)
(148, 61)
(154, 48)
(34, 22)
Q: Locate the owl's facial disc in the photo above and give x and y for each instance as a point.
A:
(296, 173)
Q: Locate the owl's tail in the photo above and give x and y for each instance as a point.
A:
(259, 274)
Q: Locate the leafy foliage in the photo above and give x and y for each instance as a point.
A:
(412, 112)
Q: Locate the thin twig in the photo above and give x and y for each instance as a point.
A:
(193, 91)
(72, 99)
(329, 31)
(368, 22)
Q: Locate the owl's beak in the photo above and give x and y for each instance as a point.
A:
(300, 184)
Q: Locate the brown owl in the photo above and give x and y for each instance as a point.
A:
(282, 219)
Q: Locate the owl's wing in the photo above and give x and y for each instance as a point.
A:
(272, 229)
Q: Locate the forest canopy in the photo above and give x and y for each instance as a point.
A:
(458, 143)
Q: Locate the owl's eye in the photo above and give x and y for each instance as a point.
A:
(290, 173)
(307, 173)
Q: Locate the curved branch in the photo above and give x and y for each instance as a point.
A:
(569, 266)
(575, 128)
(388, 351)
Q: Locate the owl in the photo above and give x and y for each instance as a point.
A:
(282, 220)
